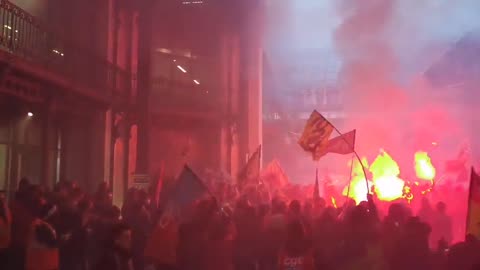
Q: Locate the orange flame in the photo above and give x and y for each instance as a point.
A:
(358, 188)
(334, 202)
(423, 166)
(385, 171)
(386, 181)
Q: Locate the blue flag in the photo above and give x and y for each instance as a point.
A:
(187, 189)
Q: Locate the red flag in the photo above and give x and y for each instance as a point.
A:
(274, 175)
(473, 215)
(315, 135)
(344, 144)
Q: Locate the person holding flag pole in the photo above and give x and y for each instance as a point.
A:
(162, 247)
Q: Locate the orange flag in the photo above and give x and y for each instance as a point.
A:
(344, 144)
(274, 175)
(315, 135)
(162, 245)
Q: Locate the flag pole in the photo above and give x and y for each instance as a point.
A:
(354, 152)
(350, 180)
(470, 191)
(316, 186)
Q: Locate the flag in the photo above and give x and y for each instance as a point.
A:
(473, 214)
(159, 184)
(251, 171)
(315, 135)
(343, 144)
(162, 244)
(316, 190)
(187, 189)
(274, 175)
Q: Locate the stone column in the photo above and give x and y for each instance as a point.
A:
(120, 161)
(143, 111)
(225, 69)
(48, 140)
(108, 145)
(230, 83)
(100, 149)
(254, 71)
(251, 40)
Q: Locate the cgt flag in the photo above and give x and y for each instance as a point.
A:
(251, 171)
(187, 189)
(473, 214)
(343, 145)
(315, 135)
(274, 175)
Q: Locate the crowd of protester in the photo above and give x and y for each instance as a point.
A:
(68, 229)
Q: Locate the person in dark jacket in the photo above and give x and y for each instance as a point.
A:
(117, 254)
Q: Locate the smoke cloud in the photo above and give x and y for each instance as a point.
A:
(385, 46)
(378, 51)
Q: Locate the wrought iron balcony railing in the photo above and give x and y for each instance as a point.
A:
(22, 35)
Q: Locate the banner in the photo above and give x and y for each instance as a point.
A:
(274, 175)
(315, 135)
(343, 145)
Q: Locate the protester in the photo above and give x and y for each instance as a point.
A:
(66, 229)
(117, 252)
(161, 247)
(5, 229)
(297, 252)
(42, 251)
(441, 226)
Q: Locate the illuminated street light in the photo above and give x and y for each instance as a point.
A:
(29, 114)
(196, 82)
(181, 68)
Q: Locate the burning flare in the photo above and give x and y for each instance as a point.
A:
(334, 202)
(423, 166)
(358, 188)
(385, 179)
(385, 171)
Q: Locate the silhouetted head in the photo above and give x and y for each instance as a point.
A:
(24, 184)
(295, 207)
(441, 207)
(308, 207)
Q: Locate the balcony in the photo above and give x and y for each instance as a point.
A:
(68, 64)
